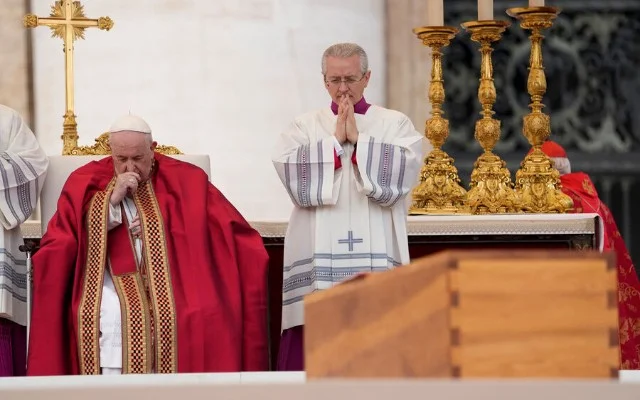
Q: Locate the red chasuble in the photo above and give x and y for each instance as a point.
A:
(198, 303)
(579, 187)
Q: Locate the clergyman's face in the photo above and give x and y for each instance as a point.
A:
(344, 78)
(132, 152)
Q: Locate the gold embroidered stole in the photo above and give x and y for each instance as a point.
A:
(149, 326)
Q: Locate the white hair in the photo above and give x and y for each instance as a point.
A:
(562, 164)
(346, 50)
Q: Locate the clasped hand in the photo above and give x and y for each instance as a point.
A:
(346, 128)
(126, 182)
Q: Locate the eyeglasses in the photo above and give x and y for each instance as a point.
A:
(349, 80)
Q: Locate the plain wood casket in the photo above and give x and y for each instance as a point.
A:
(469, 314)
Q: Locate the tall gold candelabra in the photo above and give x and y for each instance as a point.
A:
(439, 190)
(490, 189)
(537, 181)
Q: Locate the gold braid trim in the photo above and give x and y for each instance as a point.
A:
(89, 309)
(136, 326)
(159, 275)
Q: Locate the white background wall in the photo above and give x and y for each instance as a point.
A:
(221, 77)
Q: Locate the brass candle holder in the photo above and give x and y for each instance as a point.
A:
(490, 190)
(537, 180)
(439, 190)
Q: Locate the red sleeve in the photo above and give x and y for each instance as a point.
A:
(336, 160)
(354, 159)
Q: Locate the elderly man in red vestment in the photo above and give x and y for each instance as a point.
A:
(147, 268)
(579, 187)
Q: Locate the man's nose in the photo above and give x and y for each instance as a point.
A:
(129, 166)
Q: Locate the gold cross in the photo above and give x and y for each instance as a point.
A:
(68, 22)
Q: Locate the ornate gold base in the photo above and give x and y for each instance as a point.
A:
(538, 185)
(491, 190)
(439, 190)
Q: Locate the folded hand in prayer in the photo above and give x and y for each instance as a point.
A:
(351, 127)
(341, 123)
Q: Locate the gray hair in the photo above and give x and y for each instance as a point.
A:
(346, 50)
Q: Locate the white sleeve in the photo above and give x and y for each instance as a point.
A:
(23, 168)
(307, 168)
(388, 166)
(115, 216)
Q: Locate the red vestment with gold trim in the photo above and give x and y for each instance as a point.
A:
(200, 303)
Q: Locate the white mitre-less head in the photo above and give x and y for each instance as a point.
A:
(131, 123)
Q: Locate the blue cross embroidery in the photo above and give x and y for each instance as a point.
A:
(350, 240)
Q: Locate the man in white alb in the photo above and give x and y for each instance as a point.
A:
(348, 169)
(23, 168)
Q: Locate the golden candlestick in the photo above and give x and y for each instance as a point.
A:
(68, 22)
(439, 190)
(490, 190)
(537, 180)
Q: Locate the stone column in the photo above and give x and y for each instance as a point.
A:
(15, 59)
(408, 60)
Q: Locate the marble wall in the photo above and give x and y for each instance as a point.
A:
(15, 73)
(408, 60)
(221, 77)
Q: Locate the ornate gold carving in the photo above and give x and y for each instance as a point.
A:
(68, 22)
(490, 190)
(439, 190)
(168, 150)
(537, 180)
(101, 147)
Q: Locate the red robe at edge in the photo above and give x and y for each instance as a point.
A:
(579, 187)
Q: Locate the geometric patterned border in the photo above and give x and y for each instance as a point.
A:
(93, 279)
(31, 229)
(159, 280)
(515, 225)
(440, 225)
(447, 225)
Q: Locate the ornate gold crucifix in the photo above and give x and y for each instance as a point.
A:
(68, 22)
